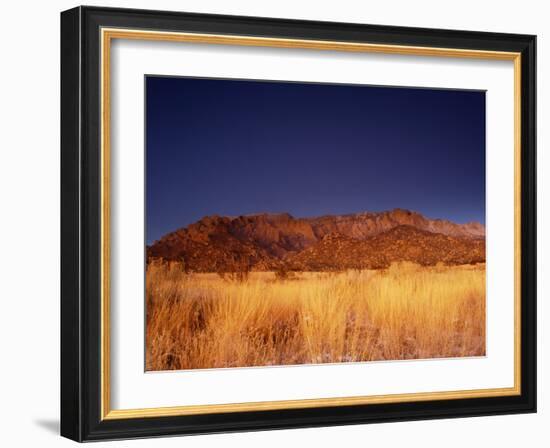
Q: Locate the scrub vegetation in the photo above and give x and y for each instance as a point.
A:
(405, 311)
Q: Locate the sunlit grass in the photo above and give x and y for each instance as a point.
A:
(404, 312)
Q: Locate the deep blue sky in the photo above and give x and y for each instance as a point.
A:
(232, 147)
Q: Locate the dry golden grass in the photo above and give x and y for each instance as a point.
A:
(405, 312)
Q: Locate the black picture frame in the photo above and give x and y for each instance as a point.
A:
(81, 224)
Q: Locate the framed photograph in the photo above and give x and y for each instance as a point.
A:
(273, 223)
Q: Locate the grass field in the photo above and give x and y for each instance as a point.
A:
(404, 312)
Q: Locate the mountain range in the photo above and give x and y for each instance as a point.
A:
(369, 240)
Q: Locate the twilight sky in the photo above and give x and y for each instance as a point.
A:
(232, 147)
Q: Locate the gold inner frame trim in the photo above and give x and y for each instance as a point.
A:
(107, 35)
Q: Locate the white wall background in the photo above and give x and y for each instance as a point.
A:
(29, 189)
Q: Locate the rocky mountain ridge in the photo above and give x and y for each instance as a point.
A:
(362, 240)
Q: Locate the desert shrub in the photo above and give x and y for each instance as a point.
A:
(236, 270)
(401, 267)
(283, 273)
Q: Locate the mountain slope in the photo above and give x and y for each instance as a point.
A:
(402, 243)
(270, 241)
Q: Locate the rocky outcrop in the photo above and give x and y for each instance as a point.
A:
(369, 240)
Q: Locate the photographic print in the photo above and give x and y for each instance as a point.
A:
(275, 224)
(292, 223)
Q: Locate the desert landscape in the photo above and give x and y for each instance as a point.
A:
(292, 223)
(273, 289)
